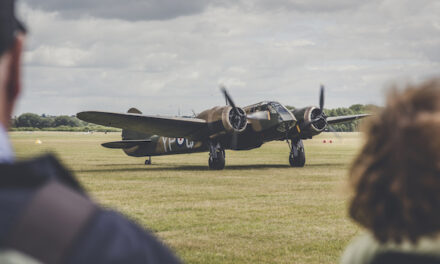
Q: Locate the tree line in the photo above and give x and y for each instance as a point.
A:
(32, 122)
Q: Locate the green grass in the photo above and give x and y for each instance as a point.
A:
(257, 210)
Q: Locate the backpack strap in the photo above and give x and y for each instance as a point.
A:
(50, 223)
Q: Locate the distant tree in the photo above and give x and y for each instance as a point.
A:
(65, 121)
(29, 120)
(47, 122)
(357, 108)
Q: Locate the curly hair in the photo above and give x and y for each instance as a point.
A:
(396, 176)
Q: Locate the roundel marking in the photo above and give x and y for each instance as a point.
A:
(180, 142)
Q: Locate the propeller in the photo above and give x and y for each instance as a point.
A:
(238, 118)
(322, 115)
(229, 100)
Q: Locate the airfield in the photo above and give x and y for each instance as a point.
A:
(257, 210)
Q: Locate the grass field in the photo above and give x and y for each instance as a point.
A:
(257, 210)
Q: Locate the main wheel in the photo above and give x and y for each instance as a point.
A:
(217, 163)
(299, 160)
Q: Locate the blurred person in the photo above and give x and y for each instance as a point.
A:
(396, 181)
(45, 215)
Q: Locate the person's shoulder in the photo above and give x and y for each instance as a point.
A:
(361, 250)
(34, 173)
(113, 238)
(106, 237)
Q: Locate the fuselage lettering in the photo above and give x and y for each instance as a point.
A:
(189, 144)
(180, 142)
(171, 141)
(164, 140)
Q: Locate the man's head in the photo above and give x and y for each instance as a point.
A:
(396, 177)
(11, 44)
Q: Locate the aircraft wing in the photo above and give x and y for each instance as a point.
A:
(342, 119)
(173, 127)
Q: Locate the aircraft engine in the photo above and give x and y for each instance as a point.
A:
(311, 121)
(225, 119)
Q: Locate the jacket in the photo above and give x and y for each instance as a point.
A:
(105, 236)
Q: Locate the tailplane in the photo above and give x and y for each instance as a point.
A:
(125, 144)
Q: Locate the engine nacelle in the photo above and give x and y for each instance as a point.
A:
(225, 119)
(305, 116)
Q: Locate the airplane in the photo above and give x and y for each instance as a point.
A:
(216, 129)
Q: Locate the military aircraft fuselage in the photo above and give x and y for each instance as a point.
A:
(217, 129)
(277, 123)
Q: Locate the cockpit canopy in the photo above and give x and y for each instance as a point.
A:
(273, 108)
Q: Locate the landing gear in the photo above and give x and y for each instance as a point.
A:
(297, 157)
(148, 161)
(216, 157)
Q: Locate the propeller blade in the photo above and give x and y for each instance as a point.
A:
(226, 94)
(321, 99)
(229, 99)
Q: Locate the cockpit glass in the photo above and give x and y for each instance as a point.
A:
(279, 108)
(284, 113)
(271, 109)
(262, 108)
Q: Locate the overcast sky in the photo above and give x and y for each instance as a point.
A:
(166, 55)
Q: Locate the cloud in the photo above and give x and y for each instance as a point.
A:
(132, 10)
(82, 55)
(314, 6)
(136, 10)
(57, 56)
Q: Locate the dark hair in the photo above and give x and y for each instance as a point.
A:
(396, 176)
(9, 25)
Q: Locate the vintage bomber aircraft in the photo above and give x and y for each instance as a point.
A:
(217, 129)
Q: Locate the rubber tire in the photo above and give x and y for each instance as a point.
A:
(299, 161)
(218, 163)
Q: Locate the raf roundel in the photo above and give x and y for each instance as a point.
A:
(180, 142)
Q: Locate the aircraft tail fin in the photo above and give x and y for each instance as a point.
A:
(133, 135)
(134, 111)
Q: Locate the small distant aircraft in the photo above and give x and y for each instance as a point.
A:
(217, 129)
